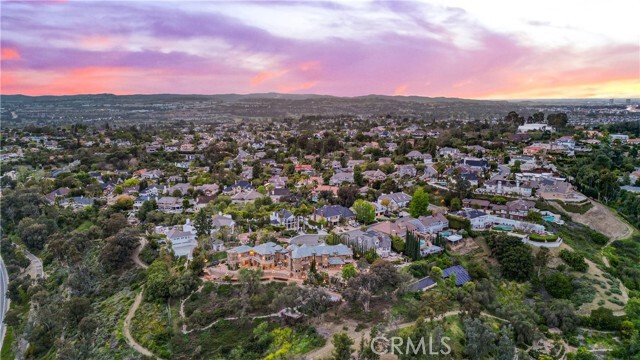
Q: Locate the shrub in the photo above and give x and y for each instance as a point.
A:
(575, 260)
(558, 285)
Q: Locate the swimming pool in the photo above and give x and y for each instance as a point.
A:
(549, 218)
(446, 233)
(422, 243)
(503, 227)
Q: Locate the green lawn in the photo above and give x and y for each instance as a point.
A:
(9, 338)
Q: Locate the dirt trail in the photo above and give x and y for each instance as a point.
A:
(136, 254)
(126, 328)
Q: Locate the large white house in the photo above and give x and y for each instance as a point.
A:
(535, 127)
(480, 220)
(181, 238)
(288, 220)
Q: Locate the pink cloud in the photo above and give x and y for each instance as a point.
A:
(401, 90)
(9, 54)
(265, 76)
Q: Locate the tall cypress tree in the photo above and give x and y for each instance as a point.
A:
(412, 248)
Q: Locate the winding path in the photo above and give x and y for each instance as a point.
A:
(136, 254)
(126, 328)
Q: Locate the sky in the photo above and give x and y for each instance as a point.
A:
(489, 49)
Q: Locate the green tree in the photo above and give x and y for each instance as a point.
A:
(632, 310)
(203, 223)
(342, 349)
(573, 259)
(412, 246)
(480, 339)
(146, 208)
(506, 347)
(365, 211)
(419, 205)
(436, 273)
(349, 271)
(158, 281)
(516, 261)
(397, 244)
(33, 234)
(347, 195)
(455, 204)
(366, 352)
(358, 178)
(558, 285)
(118, 249)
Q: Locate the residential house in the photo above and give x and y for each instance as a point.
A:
(304, 169)
(389, 228)
(278, 194)
(182, 242)
(368, 240)
(507, 187)
(416, 155)
(76, 202)
(278, 182)
(339, 178)
(286, 219)
(405, 170)
(137, 203)
(246, 196)
(434, 224)
(447, 151)
(374, 175)
(474, 164)
(297, 260)
(551, 189)
(242, 185)
(333, 214)
(170, 204)
(217, 245)
(429, 173)
(220, 221)
(396, 201)
(150, 174)
(202, 202)
(476, 204)
(57, 193)
(209, 189)
(481, 220)
(183, 188)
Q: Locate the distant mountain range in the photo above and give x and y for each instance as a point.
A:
(280, 96)
(236, 97)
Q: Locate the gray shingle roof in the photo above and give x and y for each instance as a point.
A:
(306, 250)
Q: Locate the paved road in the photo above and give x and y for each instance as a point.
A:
(4, 302)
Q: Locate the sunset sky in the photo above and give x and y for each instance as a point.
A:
(454, 48)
